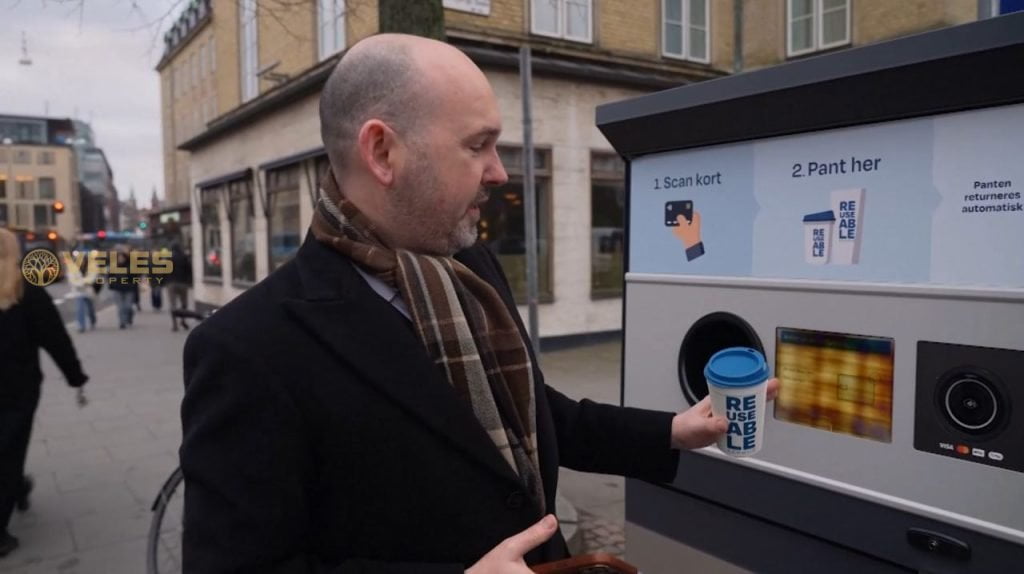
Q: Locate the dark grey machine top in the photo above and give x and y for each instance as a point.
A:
(964, 67)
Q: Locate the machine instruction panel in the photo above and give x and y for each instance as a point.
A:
(895, 202)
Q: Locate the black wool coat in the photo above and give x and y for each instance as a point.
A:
(319, 437)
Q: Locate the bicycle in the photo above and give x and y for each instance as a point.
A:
(163, 544)
(163, 548)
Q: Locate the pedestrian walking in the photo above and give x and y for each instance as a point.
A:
(124, 286)
(156, 288)
(29, 321)
(82, 278)
(178, 282)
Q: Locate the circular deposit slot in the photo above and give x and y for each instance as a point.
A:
(707, 336)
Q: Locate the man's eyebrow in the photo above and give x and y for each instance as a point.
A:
(488, 132)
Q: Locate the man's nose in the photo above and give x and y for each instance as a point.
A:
(495, 174)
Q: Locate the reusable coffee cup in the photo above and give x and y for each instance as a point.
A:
(738, 385)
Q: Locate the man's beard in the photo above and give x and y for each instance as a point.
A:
(411, 210)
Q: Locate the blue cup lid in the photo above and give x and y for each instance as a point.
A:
(736, 367)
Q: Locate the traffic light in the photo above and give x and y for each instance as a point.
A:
(58, 207)
(143, 225)
(101, 234)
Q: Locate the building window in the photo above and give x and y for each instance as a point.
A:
(3, 215)
(1000, 7)
(248, 49)
(3, 187)
(21, 215)
(26, 189)
(283, 226)
(46, 158)
(47, 188)
(685, 29)
(23, 157)
(569, 19)
(607, 218)
(816, 25)
(213, 260)
(243, 248)
(331, 26)
(3, 156)
(41, 216)
(503, 222)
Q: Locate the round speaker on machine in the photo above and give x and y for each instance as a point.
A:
(971, 401)
(710, 334)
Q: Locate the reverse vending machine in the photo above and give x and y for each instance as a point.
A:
(859, 218)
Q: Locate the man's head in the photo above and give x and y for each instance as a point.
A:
(411, 128)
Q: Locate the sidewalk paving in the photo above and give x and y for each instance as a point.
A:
(98, 469)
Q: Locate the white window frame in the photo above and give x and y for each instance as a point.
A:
(248, 52)
(562, 34)
(685, 24)
(330, 11)
(817, 29)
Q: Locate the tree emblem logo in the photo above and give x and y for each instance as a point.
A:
(40, 267)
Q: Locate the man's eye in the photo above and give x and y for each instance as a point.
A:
(477, 148)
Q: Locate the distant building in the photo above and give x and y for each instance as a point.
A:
(130, 214)
(38, 170)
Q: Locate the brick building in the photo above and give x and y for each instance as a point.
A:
(242, 150)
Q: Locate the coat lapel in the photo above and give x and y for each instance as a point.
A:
(346, 316)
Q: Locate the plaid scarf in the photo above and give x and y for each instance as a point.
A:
(465, 326)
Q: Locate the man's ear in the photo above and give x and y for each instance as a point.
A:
(377, 145)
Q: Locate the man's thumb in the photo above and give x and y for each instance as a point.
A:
(534, 536)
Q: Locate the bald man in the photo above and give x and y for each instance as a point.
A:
(374, 405)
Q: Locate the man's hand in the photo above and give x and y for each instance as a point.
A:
(507, 557)
(698, 428)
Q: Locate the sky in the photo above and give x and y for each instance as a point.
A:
(93, 60)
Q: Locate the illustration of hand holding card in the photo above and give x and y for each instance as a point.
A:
(685, 224)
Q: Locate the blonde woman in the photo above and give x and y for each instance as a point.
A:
(29, 321)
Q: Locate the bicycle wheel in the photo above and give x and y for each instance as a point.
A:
(163, 547)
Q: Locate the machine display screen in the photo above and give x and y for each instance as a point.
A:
(836, 382)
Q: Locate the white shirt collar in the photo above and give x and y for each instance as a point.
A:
(386, 292)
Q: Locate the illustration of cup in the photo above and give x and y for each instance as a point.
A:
(848, 207)
(818, 237)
